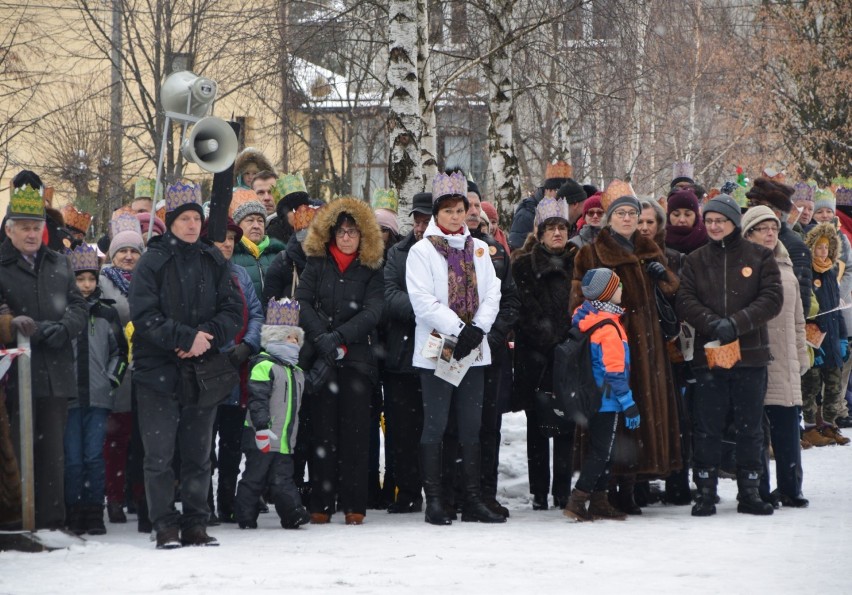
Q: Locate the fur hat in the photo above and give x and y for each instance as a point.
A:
(824, 231)
(773, 193)
(600, 284)
(757, 215)
(725, 206)
(572, 192)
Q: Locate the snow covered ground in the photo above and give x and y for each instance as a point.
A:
(663, 551)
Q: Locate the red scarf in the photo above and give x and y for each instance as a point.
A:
(451, 233)
(343, 260)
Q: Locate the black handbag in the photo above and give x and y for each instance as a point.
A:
(669, 323)
(550, 414)
(206, 381)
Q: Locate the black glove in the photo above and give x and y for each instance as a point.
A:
(54, 337)
(239, 354)
(328, 343)
(317, 377)
(656, 270)
(24, 325)
(724, 330)
(469, 339)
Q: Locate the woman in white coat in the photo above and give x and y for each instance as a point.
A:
(454, 291)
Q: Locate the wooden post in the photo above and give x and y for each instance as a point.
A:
(25, 396)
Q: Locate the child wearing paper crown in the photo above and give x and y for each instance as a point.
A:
(100, 352)
(611, 365)
(276, 385)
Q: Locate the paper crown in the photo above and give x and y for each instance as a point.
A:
(683, 169)
(288, 184)
(385, 198)
(83, 258)
(26, 203)
(182, 193)
(47, 195)
(303, 216)
(444, 185)
(803, 191)
(124, 222)
(560, 169)
(843, 196)
(616, 189)
(76, 219)
(282, 313)
(739, 195)
(240, 197)
(145, 188)
(551, 207)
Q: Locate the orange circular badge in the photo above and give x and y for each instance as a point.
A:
(492, 250)
(480, 252)
(747, 272)
(817, 283)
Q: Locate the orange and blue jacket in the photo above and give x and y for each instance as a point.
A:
(610, 356)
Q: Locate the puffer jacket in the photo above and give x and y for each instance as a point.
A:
(398, 314)
(109, 291)
(610, 356)
(279, 276)
(257, 258)
(786, 340)
(733, 278)
(275, 395)
(253, 317)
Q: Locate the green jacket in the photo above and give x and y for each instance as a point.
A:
(257, 258)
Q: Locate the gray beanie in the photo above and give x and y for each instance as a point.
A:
(249, 208)
(623, 201)
(600, 284)
(726, 206)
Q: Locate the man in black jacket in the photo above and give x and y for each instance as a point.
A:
(39, 287)
(183, 303)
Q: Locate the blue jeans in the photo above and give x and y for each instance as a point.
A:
(85, 472)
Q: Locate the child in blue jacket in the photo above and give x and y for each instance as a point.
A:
(611, 366)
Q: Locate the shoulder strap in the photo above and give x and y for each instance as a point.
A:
(602, 323)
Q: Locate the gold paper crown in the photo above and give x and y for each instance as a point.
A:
(124, 222)
(803, 191)
(454, 184)
(823, 195)
(288, 184)
(282, 313)
(385, 198)
(26, 203)
(76, 219)
(303, 216)
(145, 188)
(560, 169)
(182, 193)
(683, 169)
(83, 258)
(551, 207)
(616, 189)
(240, 197)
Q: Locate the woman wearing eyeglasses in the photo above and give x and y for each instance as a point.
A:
(593, 216)
(340, 296)
(654, 450)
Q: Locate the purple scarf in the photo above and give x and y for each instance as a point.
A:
(686, 239)
(462, 293)
(119, 278)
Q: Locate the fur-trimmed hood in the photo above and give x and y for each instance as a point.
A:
(280, 332)
(371, 248)
(251, 155)
(825, 230)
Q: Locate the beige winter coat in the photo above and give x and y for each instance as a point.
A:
(786, 340)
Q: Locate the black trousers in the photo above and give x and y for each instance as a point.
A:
(466, 399)
(594, 473)
(340, 432)
(404, 423)
(740, 390)
(167, 426)
(785, 438)
(272, 470)
(538, 459)
(492, 422)
(49, 418)
(229, 424)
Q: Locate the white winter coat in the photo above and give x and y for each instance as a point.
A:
(786, 340)
(428, 287)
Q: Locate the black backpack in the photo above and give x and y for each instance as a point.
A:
(573, 379)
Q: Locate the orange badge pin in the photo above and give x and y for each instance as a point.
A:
(817, 283)
(480, 252)
(747, 272)
(492, 250)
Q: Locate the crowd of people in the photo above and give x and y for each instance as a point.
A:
(718, 321)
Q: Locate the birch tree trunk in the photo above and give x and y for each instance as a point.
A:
(428, 138)
(404, 120)
(640, 87)
(501, 103)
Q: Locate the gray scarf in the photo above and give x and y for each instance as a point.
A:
(286, 352)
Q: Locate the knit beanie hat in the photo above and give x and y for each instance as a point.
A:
(682, 199)
(126, 239)
(774, 193)
(489, 210)
(726, 206)
(600, 284)
(572, 192)
(386, 218)
(593, 202)
(824, 199)
(145, 220)
(756, 215)
(251, 207)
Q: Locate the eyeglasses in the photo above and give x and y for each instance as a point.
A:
(714, 222)
(765, 229)
(594, 213)
(556, 227)
(352, 232)
(625, 213)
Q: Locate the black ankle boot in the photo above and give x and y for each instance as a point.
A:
(705, 504)
(748, 498)
(430, 470)
(94, 515)
(143, 523)
(474, 510)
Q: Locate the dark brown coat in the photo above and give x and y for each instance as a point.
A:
(653, 450)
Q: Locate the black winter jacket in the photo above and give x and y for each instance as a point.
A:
(177, 290)
(279, 276)
(398, 313)
(800, 254)
(510, 302)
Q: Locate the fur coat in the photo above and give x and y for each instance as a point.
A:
(653, 450)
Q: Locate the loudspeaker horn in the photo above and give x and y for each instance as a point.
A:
(211, 144)
(183, 85)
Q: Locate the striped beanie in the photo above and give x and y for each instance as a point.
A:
(600, 284)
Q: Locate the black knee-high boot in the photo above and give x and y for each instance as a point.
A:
(474, 510)
(430, 470)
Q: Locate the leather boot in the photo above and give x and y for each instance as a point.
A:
(143, 523)
(474, 510)
(576, 507)
(115, 512)
(600, 508)
(76, 519)
(749, 500)
(94, 516)
(705, 504)
(626, 501)
(430, 470)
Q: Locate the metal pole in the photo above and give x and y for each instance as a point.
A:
(25, 399)
(158, 184)
(115, 118)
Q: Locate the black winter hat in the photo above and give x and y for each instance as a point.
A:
(590, 189)
(725, 206)
(572, 192)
